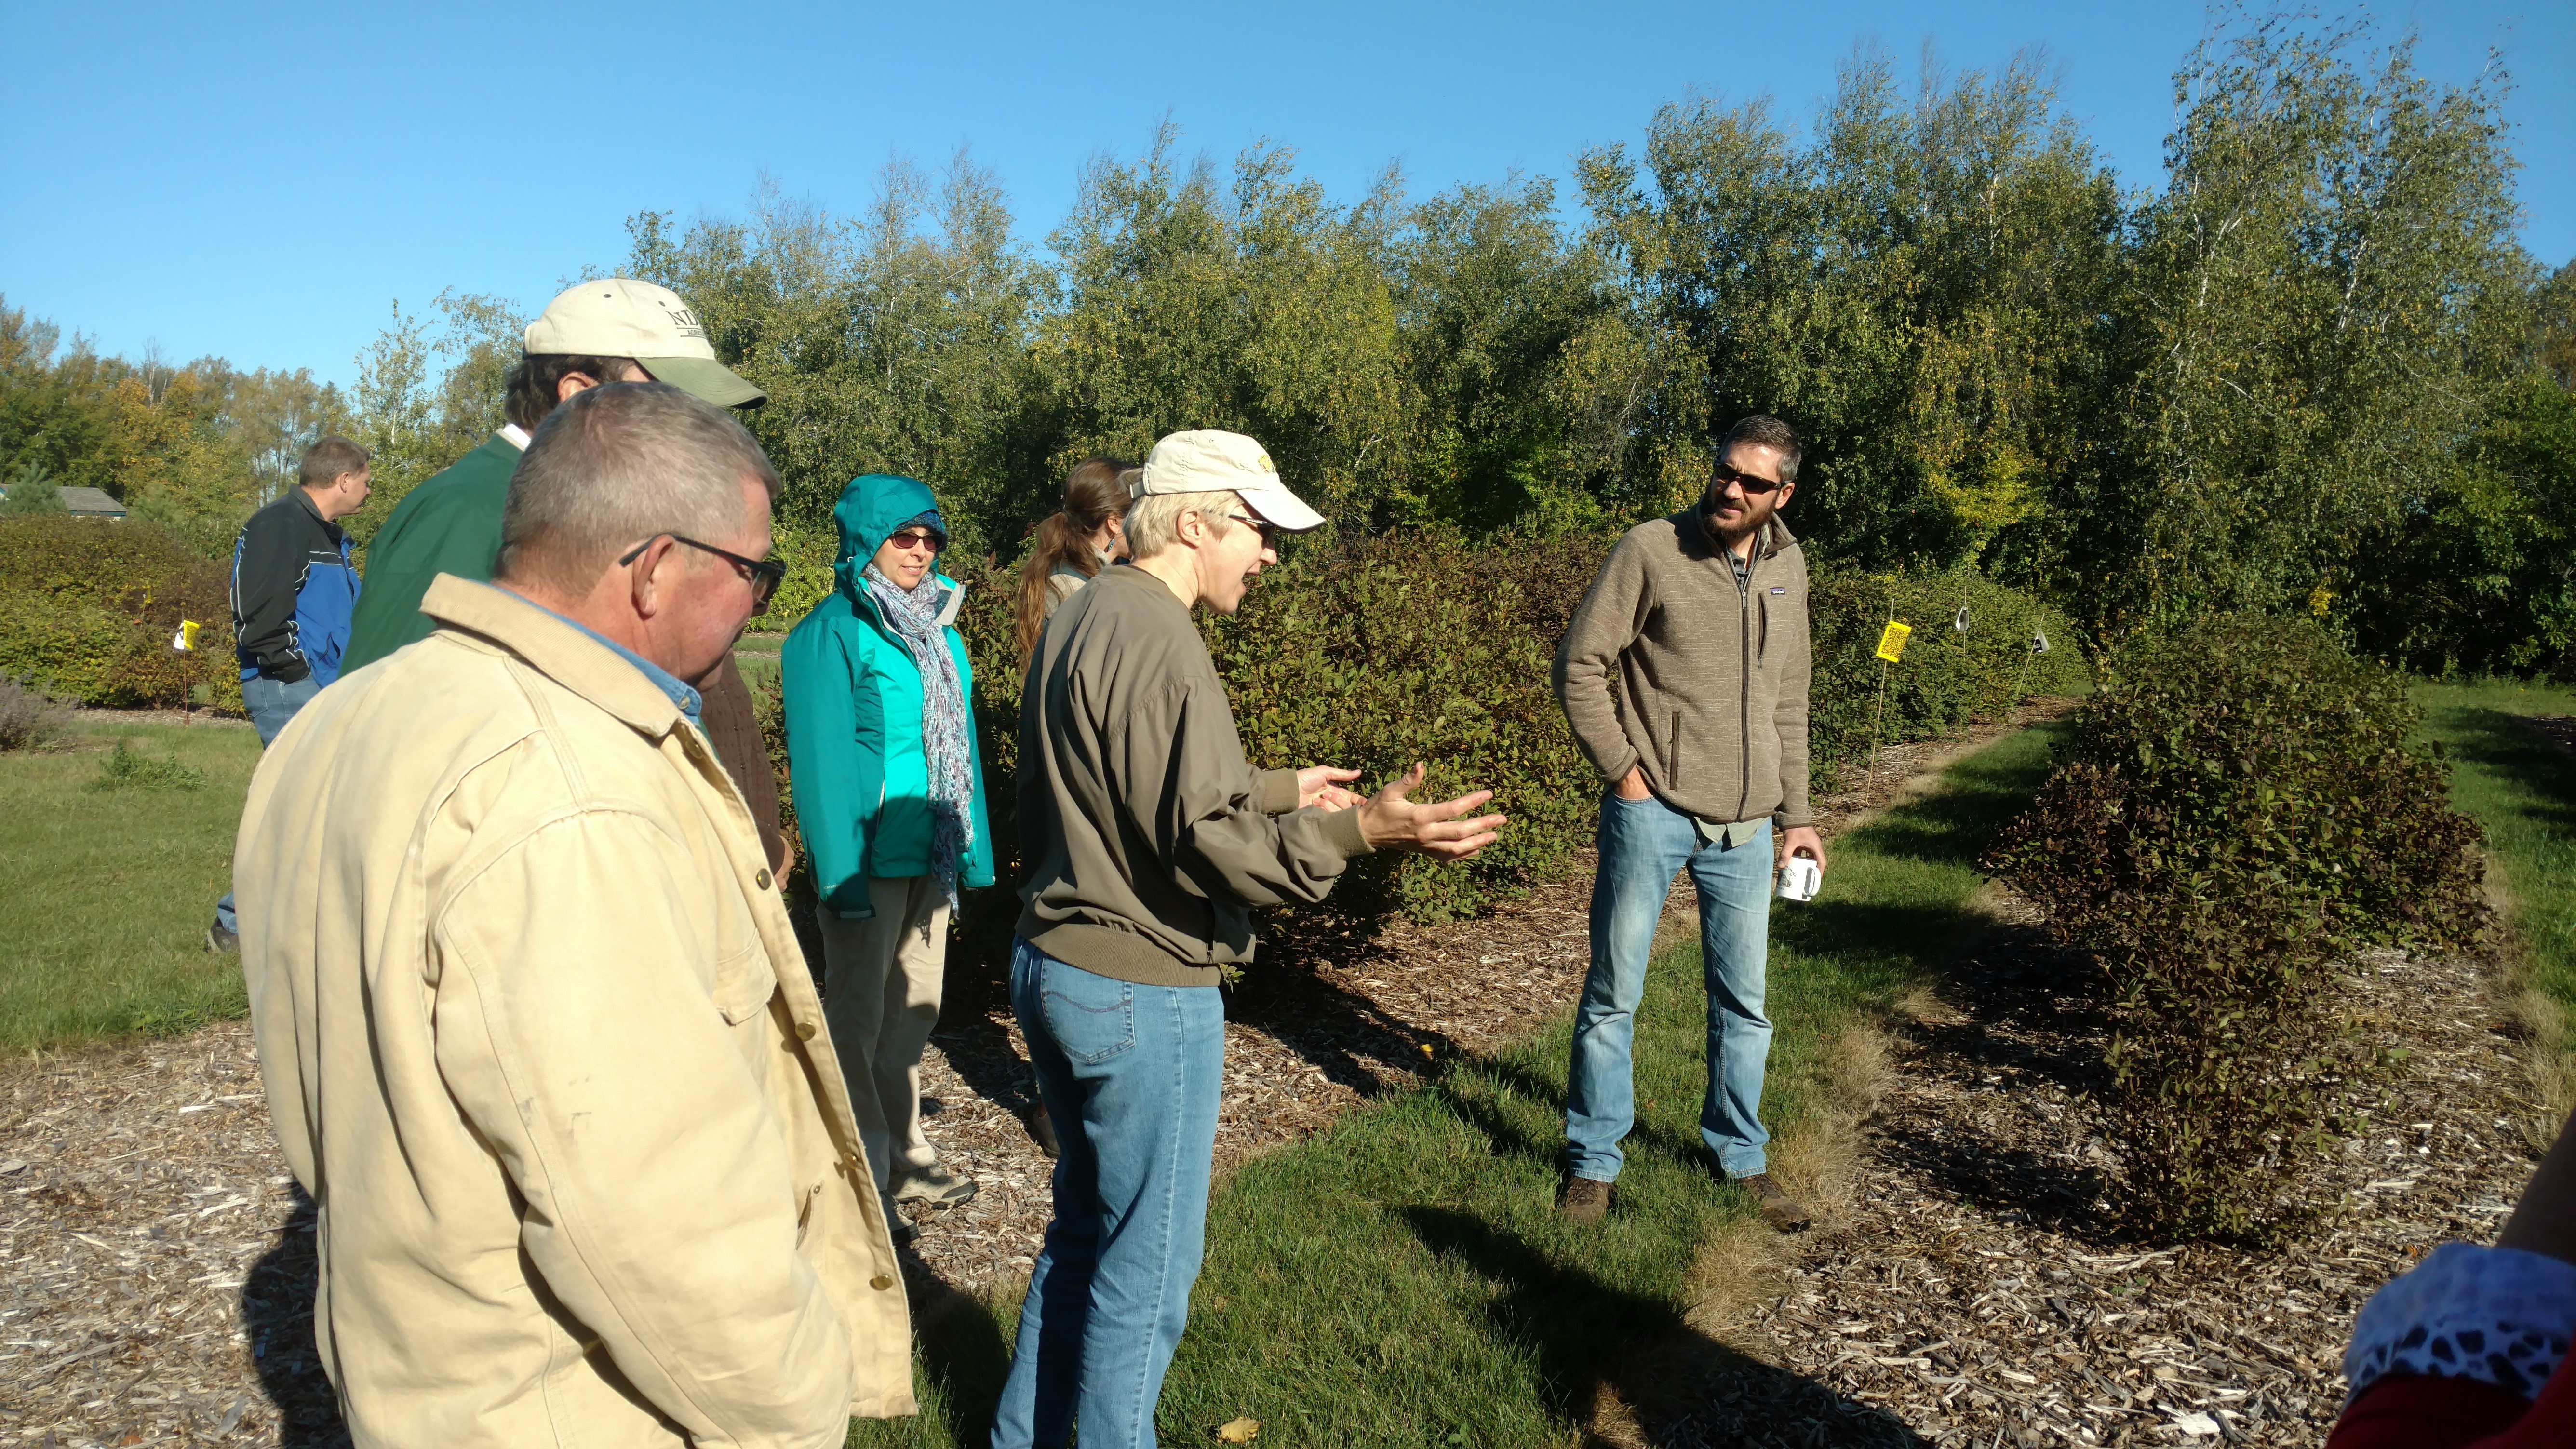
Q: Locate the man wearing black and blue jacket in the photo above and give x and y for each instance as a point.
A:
(293, 593)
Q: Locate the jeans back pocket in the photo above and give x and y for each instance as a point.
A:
(1092, 1017)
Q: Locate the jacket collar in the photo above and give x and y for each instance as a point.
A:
(1773, 538)
(314, 513)
(555, 647)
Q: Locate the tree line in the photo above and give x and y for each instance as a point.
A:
(2311, 371)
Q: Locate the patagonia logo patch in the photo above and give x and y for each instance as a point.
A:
(1780, 589)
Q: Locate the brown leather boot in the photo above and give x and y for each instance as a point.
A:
(1585, 1201)
(1780, 1210)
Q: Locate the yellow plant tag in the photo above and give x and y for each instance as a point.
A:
(1891, 645)
(187, 639)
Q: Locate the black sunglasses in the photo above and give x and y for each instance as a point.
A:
(1749, 482)
(1269, 531)
(765, 574)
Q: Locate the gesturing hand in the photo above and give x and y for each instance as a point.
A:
(1322, 785)
(1387, 818)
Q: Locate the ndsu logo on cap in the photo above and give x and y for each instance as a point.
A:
(684, 321)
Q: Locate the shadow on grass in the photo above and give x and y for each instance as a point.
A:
(2524, 750)
(962, 1358)
(1588, 1339)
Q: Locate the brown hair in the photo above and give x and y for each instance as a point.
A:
(531, 390)
(1094, 493)
(329, 458)
(1766, 432)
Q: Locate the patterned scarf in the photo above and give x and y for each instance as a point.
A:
(913, 614)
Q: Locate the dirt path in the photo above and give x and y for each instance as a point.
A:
(156, 1264)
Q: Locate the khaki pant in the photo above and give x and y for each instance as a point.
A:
(881, 980)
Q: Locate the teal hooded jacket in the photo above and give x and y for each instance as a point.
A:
(854, 699)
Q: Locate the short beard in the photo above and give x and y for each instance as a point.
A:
(1756, 515)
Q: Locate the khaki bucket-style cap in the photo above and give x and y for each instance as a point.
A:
(622, 317)
(1210, 461)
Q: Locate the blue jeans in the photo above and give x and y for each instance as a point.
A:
(1643, 843)
(1130, 1075)
(270, 705)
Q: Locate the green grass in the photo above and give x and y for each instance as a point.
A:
(2524, 791)
(110, 887)
(1402, 1277)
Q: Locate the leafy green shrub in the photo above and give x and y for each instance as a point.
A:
(90, 607)
(1374, 653)
(128, 770)
(30, 717)
(1946, 678)
(2240, 807)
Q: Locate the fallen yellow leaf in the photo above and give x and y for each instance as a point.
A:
(1238, 1432)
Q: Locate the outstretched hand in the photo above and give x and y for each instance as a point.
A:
(1387, 818)
(1322, 785)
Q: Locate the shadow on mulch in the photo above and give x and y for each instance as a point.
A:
(277, 1316)
(963, 1352)
(1353, 1041)
(2027, 1011)
(1589, 1339)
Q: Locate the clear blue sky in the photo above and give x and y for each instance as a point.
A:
(264, 184)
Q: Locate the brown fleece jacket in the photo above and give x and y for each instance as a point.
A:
(1670, 666)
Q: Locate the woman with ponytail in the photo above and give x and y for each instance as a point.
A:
(1074, 543)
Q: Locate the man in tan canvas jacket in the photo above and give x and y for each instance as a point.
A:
(1684, 675)
(536, 1032)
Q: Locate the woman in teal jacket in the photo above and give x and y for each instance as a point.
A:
(890, 798)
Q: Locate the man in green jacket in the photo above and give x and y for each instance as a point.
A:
(890, 797)
(614, 329)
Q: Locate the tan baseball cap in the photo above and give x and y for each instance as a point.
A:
(622, 317)
(1210, 461)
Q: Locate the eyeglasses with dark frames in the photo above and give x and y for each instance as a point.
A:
(912, 538)
(764, 574)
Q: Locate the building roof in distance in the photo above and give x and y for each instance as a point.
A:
(91, 503)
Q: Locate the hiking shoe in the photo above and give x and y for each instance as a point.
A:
(1042, 1131)
(1585, 1201)
(1780, 1210)
(219, 940)
(936, 1186)
(903, 1233)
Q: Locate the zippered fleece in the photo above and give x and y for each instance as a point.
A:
(1673, 665)
(1147, 835)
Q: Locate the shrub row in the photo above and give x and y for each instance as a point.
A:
(1374, 653)
(89, 607)
(2239, 808)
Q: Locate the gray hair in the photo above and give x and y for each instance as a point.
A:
(1154, 523)
(328, 459)
(614, 466)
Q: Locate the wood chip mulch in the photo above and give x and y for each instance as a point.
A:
(2558, 729)
(1971, 1288)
